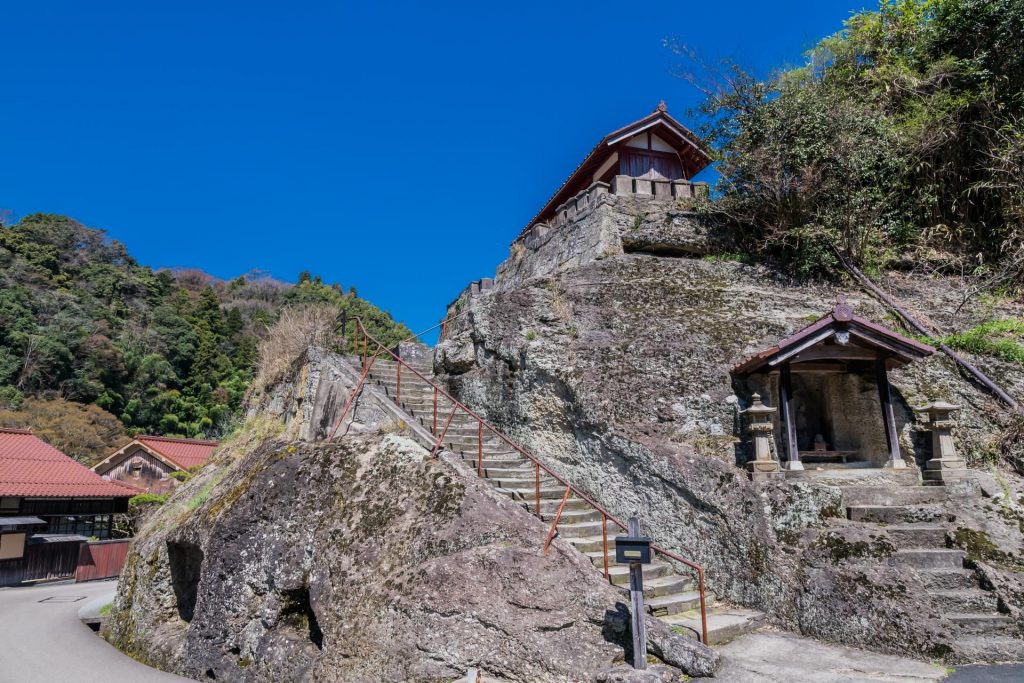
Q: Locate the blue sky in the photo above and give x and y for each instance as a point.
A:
(398, 147)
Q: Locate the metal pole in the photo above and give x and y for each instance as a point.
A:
(398, 382)
(558, 516)
(480, 449)
(604, 537)
(636, 596)
(537, 487)
(435, 410)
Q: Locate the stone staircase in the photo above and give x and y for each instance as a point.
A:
(919, 526)
(669, 595)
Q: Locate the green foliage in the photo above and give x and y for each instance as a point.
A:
(727, 257)
(181, 475)
(167, 353)
(138, 501)
(1000, 338)
(900, 137)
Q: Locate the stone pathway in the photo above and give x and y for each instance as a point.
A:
(770, 657)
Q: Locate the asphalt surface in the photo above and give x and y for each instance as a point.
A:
(42, 639)
(988, 674)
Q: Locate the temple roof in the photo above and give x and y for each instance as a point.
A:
(692, 152)
(838, 335)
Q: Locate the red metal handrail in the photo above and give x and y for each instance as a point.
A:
(457, 405)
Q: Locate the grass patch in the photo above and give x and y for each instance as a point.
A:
(147, 499)
(999, 338)
(727, 257)
(105, 610)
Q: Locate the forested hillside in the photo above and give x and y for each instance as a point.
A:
(165, 352)
(899, 141)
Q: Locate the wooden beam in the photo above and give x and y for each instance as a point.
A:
(888, 417)
(820, 368)
(835, 352)
(788, 423)
(878, 341)
(808, 343)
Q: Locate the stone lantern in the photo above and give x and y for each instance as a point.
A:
(945, 465)
(759, 416)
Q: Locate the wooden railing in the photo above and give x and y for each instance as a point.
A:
(360, 332)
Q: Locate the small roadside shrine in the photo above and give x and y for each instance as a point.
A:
(834, 400)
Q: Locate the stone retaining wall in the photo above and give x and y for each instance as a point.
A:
(582, 231)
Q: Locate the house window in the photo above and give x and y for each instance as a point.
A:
(9, 504)
(12, 546)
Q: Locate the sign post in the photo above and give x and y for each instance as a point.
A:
(635, 550)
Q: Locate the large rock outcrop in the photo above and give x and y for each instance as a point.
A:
(613, 366)
(364, 560)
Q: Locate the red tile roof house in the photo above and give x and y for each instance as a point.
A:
(147, 462)
(49, 505)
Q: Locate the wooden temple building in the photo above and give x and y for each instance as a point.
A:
(656, 147)
(834, 400)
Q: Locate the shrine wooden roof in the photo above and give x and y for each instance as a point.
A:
(693, 154)
(839, 335)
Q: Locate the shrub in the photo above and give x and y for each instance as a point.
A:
(297, 329)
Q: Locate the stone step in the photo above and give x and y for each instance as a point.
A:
(509, 461)
(965, 601)
(948, 579)
(927, 558)
(992, 648)
(425, 407)
(724, 624)
(502, 471)
(619, 575)
(572, 516)
(894, 514)
(666, 585)
(917, 535)
(548, 505)
(591, 547)
(529, 492)
(675, 603)
(893, 495)
(983, 622)
(584, 530)
(390, 371)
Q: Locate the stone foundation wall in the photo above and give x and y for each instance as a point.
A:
(630, 215)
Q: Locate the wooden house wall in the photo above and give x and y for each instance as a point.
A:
(153, 476)
(42, 562)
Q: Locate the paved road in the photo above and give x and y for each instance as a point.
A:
(1007, 673)
(43, 641)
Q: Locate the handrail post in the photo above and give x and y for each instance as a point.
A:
(444, 431)
(604, 539)
(537, 486)
(398, 382)
(703, 607)
(365, 342)
(558, 515)
(434, 431)
(479, 449)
